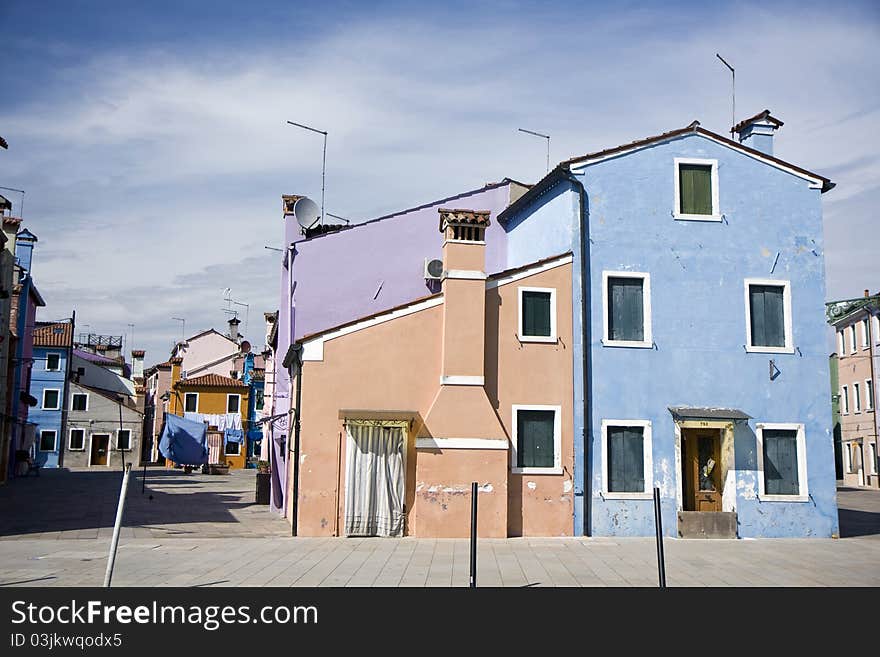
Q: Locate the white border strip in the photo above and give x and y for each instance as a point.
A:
(462, 380)
(531, 271)
(465, 274)
(461, 443)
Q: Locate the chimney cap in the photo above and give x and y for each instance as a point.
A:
(760, 116)
(235, 321)
(137, 353)
(460, 217)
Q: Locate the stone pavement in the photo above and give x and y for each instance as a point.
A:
(201, 530)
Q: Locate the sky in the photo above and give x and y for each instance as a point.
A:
(151, 138)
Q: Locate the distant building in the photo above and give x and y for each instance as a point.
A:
(53, 342)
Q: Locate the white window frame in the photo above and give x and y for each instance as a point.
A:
(109, 448)
(869, 395)
(877, 329)
(43, 406)
(852, 334)
(54, 433)
(872, 458)
(857, 397)
(648, 341)
(847, 460)
(70, 442)
(865, 329)
(556, 469)
(228, 396)
(841, 343)
(786, 319)
(127, 449)
(844, 400)
(519, 326)
(74, 394)
(647, 458)
(803, 485)
(225, 443)
(53, 353)
(716, 207)
(187, 394)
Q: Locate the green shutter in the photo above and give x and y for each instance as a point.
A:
(695, 188)
(626, 319)
(780, 462)
(535, 443)
(626, 460)
(536, 314)
(767, 315)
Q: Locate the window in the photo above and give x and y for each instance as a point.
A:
(857, 397)
(233, 449)
(123, 439)
(77, 439)
(191, 402)
(537, 448)
(260, 400)
(79, 401)
(696, 190)
(872, 454)
(233, 403)
(47, 441)
(877, 328)
(50, 399)
(537, 314)
(782, 463)
(852, 336)
(626, 459)
(53, 362)
(768, 316)
(869, 395)
(865, 329)
(626, 309)
(844, 400)
(841, 343)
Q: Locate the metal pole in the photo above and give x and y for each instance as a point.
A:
(473, 582)
(658, 524)
(323, 174)
(732, 93)
(114, 543)
(543, 136)
(294, 508)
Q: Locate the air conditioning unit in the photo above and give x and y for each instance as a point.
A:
(433, 269)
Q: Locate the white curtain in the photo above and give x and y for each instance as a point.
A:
(374, 479)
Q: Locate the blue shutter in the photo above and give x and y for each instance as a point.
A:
(780, 462)
(626, 460)
(767, 315)
(535, 443)
(626, 319)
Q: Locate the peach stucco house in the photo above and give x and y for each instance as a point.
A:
(402, 410)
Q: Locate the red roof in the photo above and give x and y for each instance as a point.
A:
(59, 334)
(211, 381)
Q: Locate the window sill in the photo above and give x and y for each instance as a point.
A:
(769, 350)
(784, 498)
(627, 496)
(643, 344)
(696, 217)
(538, 338)
(537, 471)
(76, 449)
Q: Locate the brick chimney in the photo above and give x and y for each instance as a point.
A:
(461, 408)
(757, 131)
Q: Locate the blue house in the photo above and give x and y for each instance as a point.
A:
(252, 370)
(700, 351)
(52, 344)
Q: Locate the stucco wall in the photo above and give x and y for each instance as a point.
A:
(43, 379)
(205, 350)
(102, 417)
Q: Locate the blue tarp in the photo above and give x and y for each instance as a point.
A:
(183, 441)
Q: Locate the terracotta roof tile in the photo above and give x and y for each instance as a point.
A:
(53, 335)
(211, 381)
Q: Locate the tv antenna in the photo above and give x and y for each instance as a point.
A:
(732, 93)
(227, 297)
(538, 134)
(324, 160)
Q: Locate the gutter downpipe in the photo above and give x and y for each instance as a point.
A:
(66, 393)
(296, 351)
(585, 341)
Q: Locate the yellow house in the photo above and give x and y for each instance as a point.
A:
(221, 402)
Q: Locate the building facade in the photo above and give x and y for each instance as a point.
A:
(53, 342)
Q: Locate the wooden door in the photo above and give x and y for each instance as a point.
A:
(703, 470)
(100, 445)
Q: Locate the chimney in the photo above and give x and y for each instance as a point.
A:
(137, 363)
(757, 131)
(233, 329)
(461, 408)
(867, 293)
(24, 249)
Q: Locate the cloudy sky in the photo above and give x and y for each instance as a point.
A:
(152, 145)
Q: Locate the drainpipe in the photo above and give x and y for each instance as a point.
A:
(294, 359)
(585, 341)
(873, 390)
(64, 395)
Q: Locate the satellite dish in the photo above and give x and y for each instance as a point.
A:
(245, 347)
(306, 212)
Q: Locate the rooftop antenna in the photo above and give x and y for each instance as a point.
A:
(182, 327)
(538, 134)
(131, 334)
(324, 162)
(227, 296)
(732, 93)
(336, 216)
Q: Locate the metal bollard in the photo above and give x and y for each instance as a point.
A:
(658, 525)
(114, 543)
(473, 582)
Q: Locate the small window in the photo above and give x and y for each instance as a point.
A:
(123, 439)
(50, 399)
(233, 403)
(626, 458)
(53, 362)
(872, 456)
(537, 447)
(844, 400)
(869, 395)
(79, 401)
(768, 321)
(696, 189)
(852, 336)
(841, 343)
(47, 441)
(191, 402)
(866, 327)
(627, 309)
(782, 462)
(77, 439)
(877, 328)
(260, 400)
(857, 397)
(233, 449)
(537, 314)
